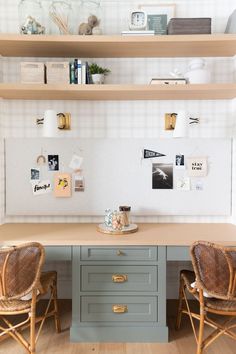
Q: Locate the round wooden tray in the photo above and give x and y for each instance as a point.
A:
(126, 230)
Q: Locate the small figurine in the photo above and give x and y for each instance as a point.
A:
(93, 21)
(85, 29)
(31, 26)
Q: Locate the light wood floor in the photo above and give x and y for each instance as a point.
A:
(181, 342)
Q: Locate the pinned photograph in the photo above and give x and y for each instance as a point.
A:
(62, 185)
(53, 162)
(34, 174)
(76, 162)
(197, 166)
(42, 187)
(170, 121)
(179, 161)
(183, 184)
(197, 185)
(79, 183)
(162, 176)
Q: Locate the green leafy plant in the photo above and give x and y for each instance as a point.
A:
(96, 69)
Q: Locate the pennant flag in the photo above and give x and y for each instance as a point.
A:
(148, 154)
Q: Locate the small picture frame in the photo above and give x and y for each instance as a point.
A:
(170, 121)
(158, 16)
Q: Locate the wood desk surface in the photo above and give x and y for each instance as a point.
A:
(86, 234)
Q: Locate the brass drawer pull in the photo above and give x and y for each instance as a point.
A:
(119, 308)
(119, 278)
(120, 253)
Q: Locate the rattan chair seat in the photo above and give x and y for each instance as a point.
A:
(46, 280)
(212, 303)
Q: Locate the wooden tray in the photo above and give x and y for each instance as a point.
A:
(126, 230)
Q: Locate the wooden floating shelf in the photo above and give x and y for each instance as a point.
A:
(117, 92)
(214, 45)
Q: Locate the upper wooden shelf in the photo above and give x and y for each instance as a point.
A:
(215, 45)
(117, 92)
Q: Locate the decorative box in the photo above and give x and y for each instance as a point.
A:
(189, 26)
(32, 73)
(58, 72)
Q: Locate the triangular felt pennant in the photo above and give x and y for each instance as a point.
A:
(147, 154)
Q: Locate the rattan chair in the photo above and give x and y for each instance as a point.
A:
(213, 284)
(22, 284)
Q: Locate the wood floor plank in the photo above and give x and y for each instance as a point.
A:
(181, 342)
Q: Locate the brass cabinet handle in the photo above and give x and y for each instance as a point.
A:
(119, 308)
(119, 278)
(120, 253)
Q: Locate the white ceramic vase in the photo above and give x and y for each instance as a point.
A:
(181, 125)
(98, 79)
(198, 74)
(50, 124)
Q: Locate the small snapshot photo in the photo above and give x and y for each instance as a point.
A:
(179, 161)
(170, 120)
(79, 183)
(34, 174)
(53, 162)
(162, 176)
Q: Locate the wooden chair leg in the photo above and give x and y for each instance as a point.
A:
(32, 323)
(179, 313)
(201, 324)
(56, 313)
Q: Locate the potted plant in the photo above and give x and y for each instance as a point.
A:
(98, 73)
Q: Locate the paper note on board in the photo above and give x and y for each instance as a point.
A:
(76, 162)
(41, 187)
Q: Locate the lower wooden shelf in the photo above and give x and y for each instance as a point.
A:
(117, 92)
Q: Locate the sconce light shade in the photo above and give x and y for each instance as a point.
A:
(181, 125)
(50, 124)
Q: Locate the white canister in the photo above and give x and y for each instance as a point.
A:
(198, 74)
(50, 124)
(181, 125)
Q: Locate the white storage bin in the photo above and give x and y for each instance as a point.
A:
(32, 73)
(58, 72)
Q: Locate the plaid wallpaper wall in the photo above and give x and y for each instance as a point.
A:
(121, 119)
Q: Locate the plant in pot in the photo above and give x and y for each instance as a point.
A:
(98, 73)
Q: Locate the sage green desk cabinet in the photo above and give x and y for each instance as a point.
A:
(119, 294)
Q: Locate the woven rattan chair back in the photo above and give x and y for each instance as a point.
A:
(215, 268)
(20, 269)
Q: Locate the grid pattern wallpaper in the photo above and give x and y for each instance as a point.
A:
(141, 119)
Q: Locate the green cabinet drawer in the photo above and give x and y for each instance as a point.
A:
(58, 253)
(119, 308)
(119, 253)
(118, 278)
(178, 253)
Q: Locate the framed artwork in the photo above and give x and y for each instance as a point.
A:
(197, 166)
(158, 16)
(162, 176)
(62, 185)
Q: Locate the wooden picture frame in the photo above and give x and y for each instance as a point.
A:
(158, 16)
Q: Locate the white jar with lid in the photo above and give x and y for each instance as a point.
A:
(198, 73)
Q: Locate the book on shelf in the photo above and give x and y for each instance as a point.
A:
(138, 33)
(78, 71)
(168, 81)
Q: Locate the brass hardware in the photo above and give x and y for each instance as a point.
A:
(64, 121)
(119, 308)
(119, 278)
(120, 253)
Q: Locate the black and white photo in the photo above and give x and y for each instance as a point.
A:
(179, 161)
(34, 174)
(53, 162)
(162, 176)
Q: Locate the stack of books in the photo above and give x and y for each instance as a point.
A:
(168, 81)
(138, 33)
(79, 72)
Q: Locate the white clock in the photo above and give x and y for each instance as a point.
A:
(138, 20)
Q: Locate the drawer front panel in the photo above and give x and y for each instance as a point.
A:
(178, 253)
(119, 308)
(119, 278)
(58, 253)
(118, 253)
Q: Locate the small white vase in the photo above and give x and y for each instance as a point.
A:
(98, 79)
(50, 124)
(181, 125)
(198, 74)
